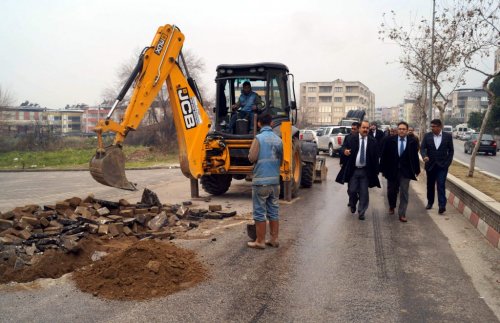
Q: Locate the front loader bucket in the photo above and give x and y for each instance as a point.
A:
(108, 168)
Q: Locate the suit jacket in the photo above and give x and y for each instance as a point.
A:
(379, 134)
(372, 161)
(344, 158)
(441, 157)
(391, 164)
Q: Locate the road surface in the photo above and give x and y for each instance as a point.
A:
(484, 162)
(330, 266)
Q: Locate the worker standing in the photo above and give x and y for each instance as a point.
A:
(266, 153)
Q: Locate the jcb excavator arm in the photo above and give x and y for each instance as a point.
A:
(157, 64)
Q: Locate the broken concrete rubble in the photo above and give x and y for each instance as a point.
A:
(30, 230)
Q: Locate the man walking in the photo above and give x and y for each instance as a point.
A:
(266, 153)
(437, 152)
(400, 164)
(361, 169)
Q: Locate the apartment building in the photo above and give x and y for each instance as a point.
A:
(465, 101)
(21, 119)
(325, 103)
(65, 121)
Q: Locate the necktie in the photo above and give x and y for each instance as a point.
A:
(401, 147)
(362, 156)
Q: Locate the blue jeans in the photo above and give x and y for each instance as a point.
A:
(265, 202)
(437, 177)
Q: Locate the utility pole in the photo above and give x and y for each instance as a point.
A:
(432, 62)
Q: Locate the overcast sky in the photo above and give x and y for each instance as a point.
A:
(58, 52)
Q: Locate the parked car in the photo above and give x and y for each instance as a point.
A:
(308, 135)
(488, 145)
(331, 138)
(466, 135)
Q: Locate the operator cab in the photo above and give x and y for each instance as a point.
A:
(270, 81)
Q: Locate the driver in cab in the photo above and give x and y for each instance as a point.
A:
(245, 108)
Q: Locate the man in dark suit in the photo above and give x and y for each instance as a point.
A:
(361, 169)
(343, 158)
(400, 164)
(375, 132)
(437, 152)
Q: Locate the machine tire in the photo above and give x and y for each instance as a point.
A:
(494, 153)
(296, 170)
(307, 176)
(216, 184)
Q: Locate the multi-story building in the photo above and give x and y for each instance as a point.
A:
(21, 119)
(325, 103)
(465, 101)
(65, 121)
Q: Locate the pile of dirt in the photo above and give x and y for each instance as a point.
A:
(54, 263)
(144, 270)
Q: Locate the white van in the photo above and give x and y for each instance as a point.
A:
(448, 129)
(460, 130)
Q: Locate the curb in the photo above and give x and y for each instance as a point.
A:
(477, 169)
(486, 230)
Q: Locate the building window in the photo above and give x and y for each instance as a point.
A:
(349, 99)
(311, 89)
(311, 99)
(339, 99)
(325, 89)
(325, 109)
(339, 89)
(325, 99)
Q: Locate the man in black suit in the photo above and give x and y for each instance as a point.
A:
(400, 164)
(361, 169)
(437, 152)
(375, 132)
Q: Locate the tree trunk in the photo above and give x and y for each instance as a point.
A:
(491, 102)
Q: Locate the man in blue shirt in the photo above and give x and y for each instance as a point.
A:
(247, 105)
(266, 153)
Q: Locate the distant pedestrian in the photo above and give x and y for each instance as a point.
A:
(400, 164)
(266, 153)
(437, 152)
(375, 132)
(361, 169)
(411, 133)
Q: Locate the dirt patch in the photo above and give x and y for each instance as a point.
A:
(55, 263)
(144, 270)
(484, 183)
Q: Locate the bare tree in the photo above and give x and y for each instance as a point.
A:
(416, 42)
(478, 23)
(6, 98)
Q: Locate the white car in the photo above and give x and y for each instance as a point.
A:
(308, 135)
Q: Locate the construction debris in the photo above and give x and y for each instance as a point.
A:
(32, 230)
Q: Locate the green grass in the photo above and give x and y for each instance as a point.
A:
(79, 158)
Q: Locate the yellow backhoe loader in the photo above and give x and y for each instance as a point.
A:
(209, 151)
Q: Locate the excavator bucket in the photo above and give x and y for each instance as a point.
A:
(108, 168)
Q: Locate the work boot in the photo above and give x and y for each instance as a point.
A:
(274, 228)
(259, 243)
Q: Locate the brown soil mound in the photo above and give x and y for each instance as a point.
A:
(55, 263)
(145, 270)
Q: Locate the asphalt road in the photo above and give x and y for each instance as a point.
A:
(330, 266)
(484, 162)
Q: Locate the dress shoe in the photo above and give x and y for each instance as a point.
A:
(391, 210)
(361, 217)
(429, 206)
(402, 218)
(442, 210)
(353, 209)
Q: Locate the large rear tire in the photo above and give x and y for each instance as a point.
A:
(296, 170)
(216, 184)
(307, 176)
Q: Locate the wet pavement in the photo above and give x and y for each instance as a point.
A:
(330, 267)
